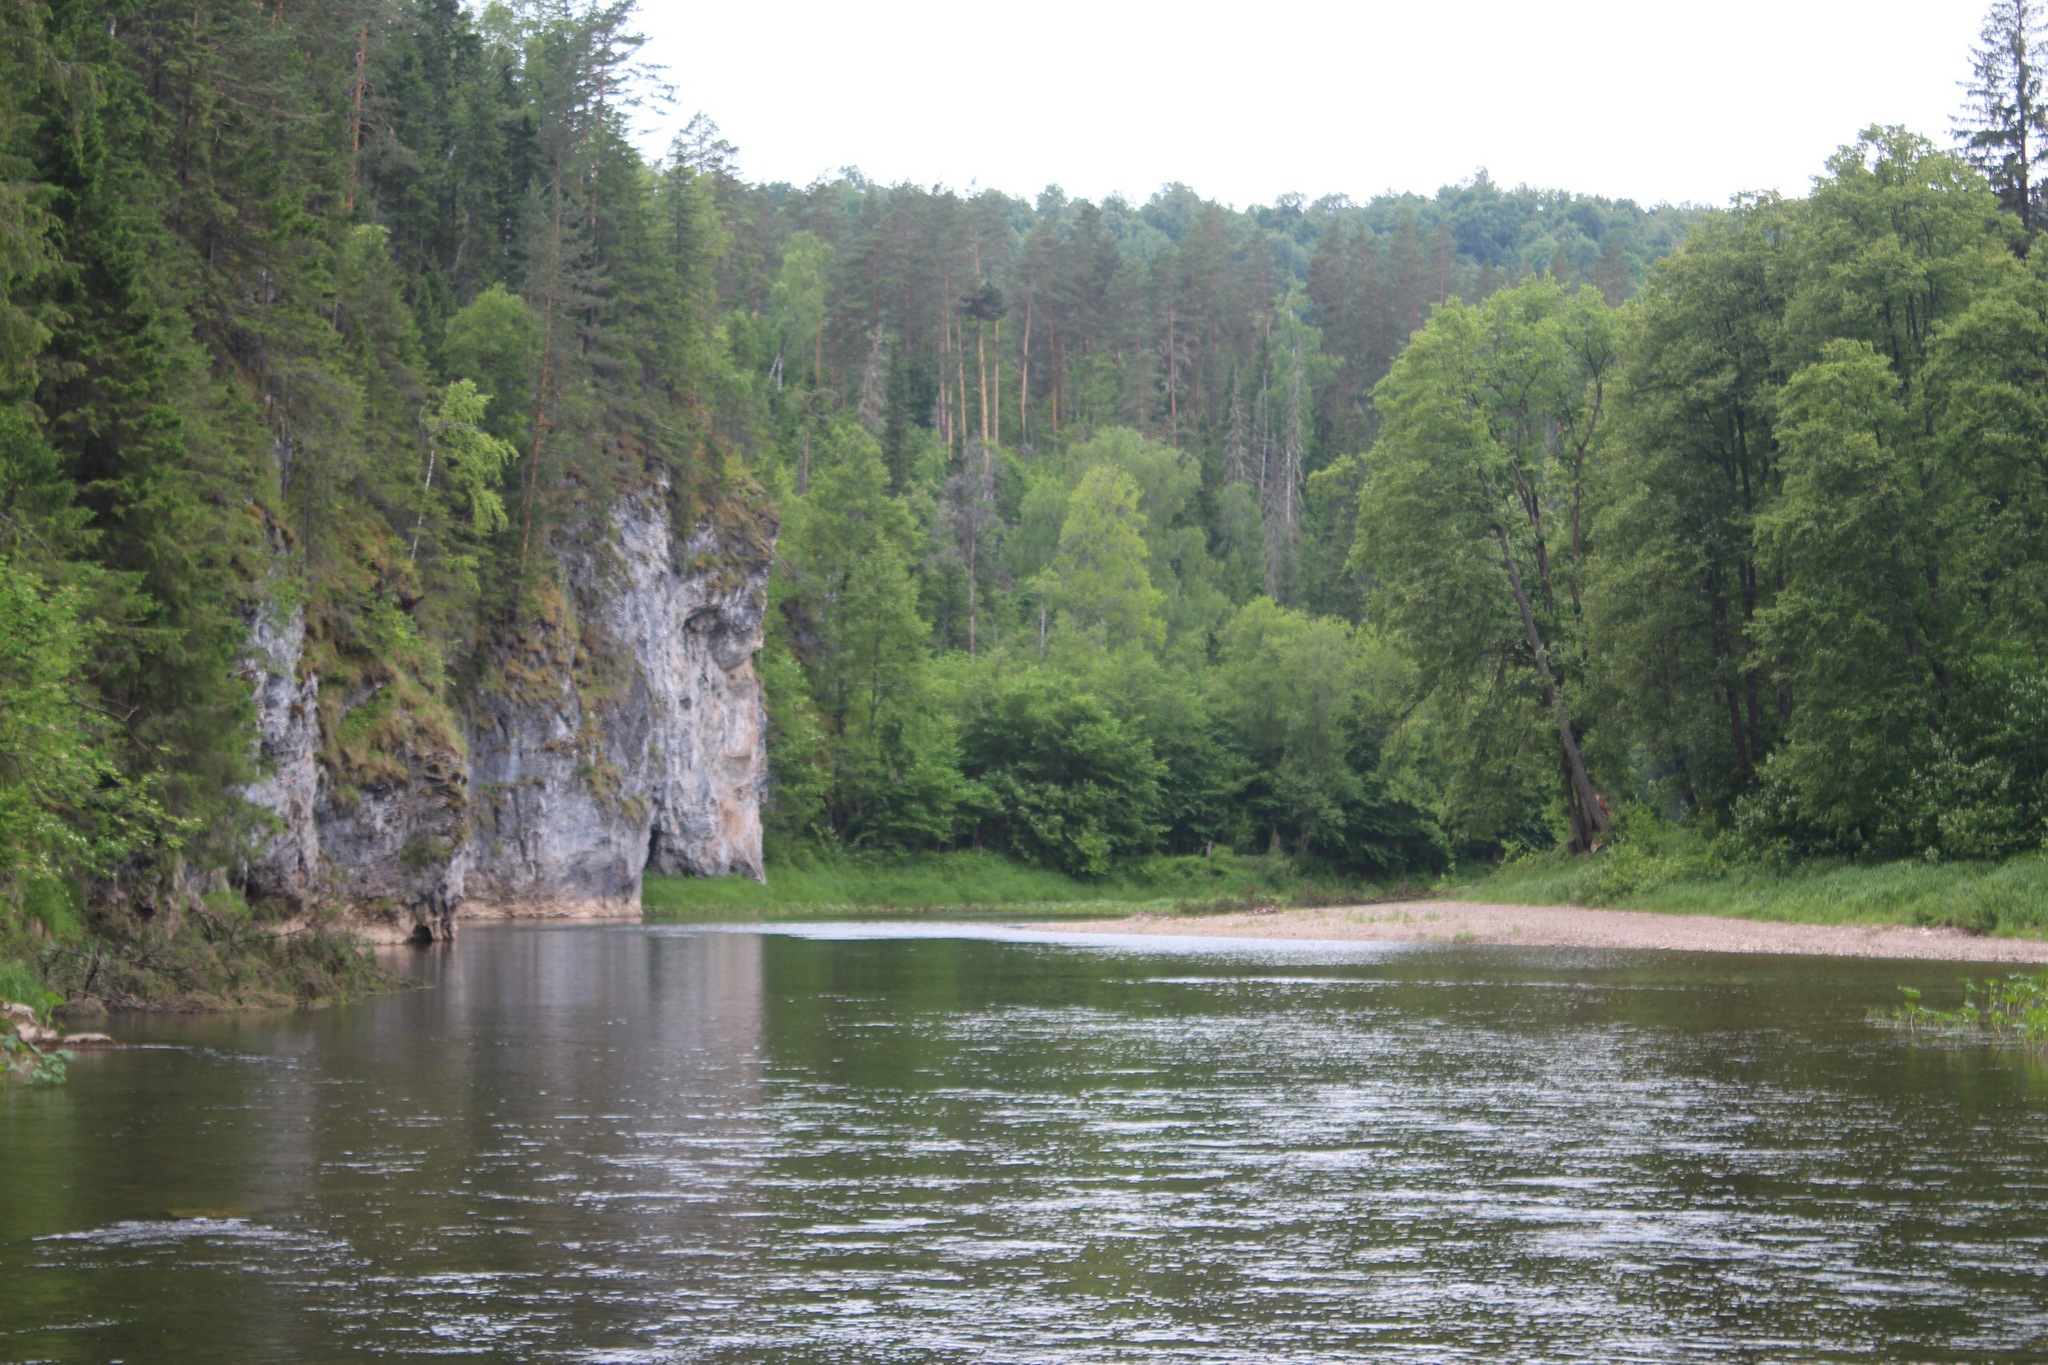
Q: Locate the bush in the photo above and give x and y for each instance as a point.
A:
(1065, 783)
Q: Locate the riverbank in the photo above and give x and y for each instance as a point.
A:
(822, 884)
(213, 956)
(1569, 926)
(1657, 867)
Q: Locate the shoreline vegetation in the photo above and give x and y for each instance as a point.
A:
(1660, 889)
(219, 954)
(2012, 1010)
(818, 884)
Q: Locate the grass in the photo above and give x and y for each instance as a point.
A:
(21, 984)
(1667, 871)
(1653, 867)
(808, 884)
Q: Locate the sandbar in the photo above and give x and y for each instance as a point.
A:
(1571, 926)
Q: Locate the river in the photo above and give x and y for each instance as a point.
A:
(887, 1143)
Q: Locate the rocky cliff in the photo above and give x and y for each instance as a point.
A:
(652, 757)
(627, 733)
(286, 860)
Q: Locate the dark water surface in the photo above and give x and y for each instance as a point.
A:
(855, 1144)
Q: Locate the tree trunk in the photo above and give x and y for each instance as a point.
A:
(1589, 814)
(540, 425)
(355, 116)
(1172, 378)
(981, 364)
(1059, 376)
(960, 384)
(1024, 379)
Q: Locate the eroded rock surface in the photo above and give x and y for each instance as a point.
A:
(655, 756)
(639, 742)
(397, 850)
(286, 862)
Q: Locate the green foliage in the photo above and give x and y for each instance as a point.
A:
(849, 604)
(1653, 865)
(1676, 587)
(1314, 702)
(1846, 537)
(796, 301)
(2012, 1010)
(1097, 580)
(473, 458)
(1061, 780)
(1471, 527)
(798, 804)
(804, 881)
(493, 342)
(63, 802)
(25, 1059)
(1815, 596)
(21, 984)
(69, 805)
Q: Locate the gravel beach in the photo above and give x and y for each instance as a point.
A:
(1568, 926)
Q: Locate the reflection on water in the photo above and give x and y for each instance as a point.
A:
(864, 1143)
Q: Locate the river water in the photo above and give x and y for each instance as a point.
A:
(877, 1143)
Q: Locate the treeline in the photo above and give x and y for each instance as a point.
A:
(1068, 491)
(1762, 550)
(1759, 551)
(1251, 340)
(1108, 529)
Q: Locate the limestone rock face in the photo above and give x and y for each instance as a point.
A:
(286, 864)
(397, 850)
(694, 632)
(657, 757)
(639, 740)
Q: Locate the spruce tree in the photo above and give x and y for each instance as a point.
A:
(2004, 127)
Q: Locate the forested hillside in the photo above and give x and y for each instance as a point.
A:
(1068, 491)
(1384, 535)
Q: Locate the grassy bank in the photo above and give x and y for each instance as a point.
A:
(213, 955)
(824, 885)
(1655, 868)
(1670, 874)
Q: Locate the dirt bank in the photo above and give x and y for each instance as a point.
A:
(1566, 926)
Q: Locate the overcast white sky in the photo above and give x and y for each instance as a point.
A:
(1652, 100)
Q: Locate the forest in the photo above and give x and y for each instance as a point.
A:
(1390, 537)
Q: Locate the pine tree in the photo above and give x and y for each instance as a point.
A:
(2005, 125)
